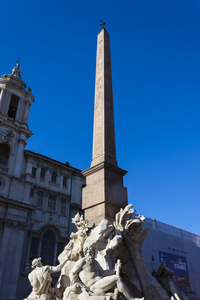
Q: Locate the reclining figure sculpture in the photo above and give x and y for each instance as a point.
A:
(103, 262)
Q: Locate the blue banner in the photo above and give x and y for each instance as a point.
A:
(178, 264)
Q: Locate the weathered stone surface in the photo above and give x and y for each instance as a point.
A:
(104, 132)
(104, 193)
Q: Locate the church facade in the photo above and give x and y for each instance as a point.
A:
(38, 195)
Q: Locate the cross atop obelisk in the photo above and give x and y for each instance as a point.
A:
(104, 193)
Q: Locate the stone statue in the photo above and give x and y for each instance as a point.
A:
(73, 251)
(88, 273)
(89, 270)
(165, 278)
(40, 279)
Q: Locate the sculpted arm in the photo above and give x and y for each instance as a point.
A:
(76, 269)
(59, 267)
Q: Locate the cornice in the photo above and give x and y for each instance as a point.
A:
(57, 164)
(8, 85)
(16, 126)
(49, 190)
(16, 204)
(76, 206)
(106, 166)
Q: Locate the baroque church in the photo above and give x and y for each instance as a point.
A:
(38, 195)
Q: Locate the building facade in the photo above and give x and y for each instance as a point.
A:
(179, 249)
(38, 195)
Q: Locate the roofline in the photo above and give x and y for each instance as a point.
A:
(31, 153)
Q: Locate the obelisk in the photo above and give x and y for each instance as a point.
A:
(104, 193)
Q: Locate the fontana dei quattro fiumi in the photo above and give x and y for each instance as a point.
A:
(111, 253)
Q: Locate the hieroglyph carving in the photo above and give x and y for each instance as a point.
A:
(99, 95)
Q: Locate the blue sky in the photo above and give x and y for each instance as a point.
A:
(155, 51)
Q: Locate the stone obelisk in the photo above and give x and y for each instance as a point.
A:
(104, 193)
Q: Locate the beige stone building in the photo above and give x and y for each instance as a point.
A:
(38, 195)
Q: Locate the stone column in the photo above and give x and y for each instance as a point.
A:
(5, 98)
(13, 282)
(1, 98)
(21, 118)
(38, 172)
(61, 182)
(26, 112)
(11, 163)
(19, 108)
(10, 260)
(3, 253)
(28, 170)
(47, 175)
(19, 157)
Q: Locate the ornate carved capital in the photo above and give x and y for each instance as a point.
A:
(13, 224)
(7, 136)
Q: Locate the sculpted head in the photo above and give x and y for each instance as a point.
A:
(37, 262)
(69, 246)
(89, 253)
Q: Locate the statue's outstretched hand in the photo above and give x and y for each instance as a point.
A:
(118, 267)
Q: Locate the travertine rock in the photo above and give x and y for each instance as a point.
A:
(102, 263)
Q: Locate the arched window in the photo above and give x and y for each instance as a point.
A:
(4, 154)
(47, 249)
(65, 181)
(54, 176)
(34, 249)
(14, 100)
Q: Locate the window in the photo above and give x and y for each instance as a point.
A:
(32, 192)
(44, 245)
(52, 202)
(34, 172)
(42, 173)
(40, 199)
(54, 176)
(34, 249)
(47, 249)
(13, 106)
(65, 181)
(60, 248)
(4, 154)
(63, 206)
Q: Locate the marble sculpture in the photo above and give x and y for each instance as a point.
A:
(102, 262)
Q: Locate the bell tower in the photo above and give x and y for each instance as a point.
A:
(15, 103)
